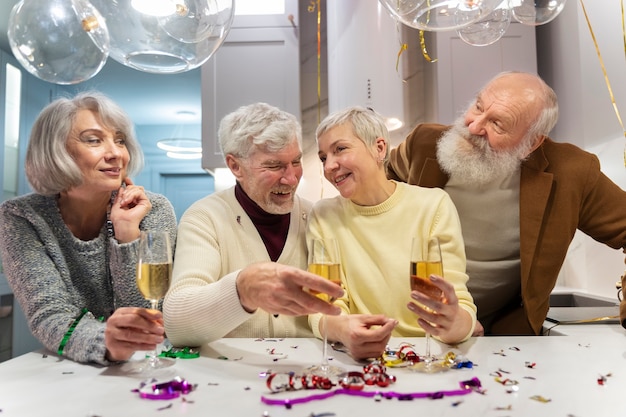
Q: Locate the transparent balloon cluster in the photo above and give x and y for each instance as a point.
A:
(477, 22)
(69, 41)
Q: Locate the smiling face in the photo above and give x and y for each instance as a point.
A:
(270, 179)
(504, 111)
(98, 151)
(349, 164)
(494, 136)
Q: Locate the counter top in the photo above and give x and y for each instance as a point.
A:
(579, 375)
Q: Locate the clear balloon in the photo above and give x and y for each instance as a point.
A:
(536, 12)
(59, 41)
(439, 15)
(193, 21)
(166, 44)
(487, 30)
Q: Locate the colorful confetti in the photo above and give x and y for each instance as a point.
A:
(603, 378)
(153, 390)
(540, 398)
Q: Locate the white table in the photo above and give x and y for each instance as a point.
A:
(227, 375)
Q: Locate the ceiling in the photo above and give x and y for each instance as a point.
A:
(149, 99)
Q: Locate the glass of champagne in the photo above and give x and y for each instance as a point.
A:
(324, 261)
(154, 272)
(426, 261)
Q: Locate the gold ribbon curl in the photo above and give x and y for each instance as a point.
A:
(423, 47)
(606, 78)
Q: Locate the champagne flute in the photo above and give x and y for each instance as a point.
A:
(154, 272)
(324, 261)
(426, 261)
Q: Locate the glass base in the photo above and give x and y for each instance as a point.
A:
(432, 366)
(326, 371)
(159, 363)
(150, 367)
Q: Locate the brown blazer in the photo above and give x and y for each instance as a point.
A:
(562, 189)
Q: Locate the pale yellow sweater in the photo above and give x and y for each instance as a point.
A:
(375, 243)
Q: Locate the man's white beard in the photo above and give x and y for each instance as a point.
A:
(470, 158)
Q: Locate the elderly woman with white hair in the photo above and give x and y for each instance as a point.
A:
(374, 221)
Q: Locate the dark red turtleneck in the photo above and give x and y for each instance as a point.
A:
(273, 228)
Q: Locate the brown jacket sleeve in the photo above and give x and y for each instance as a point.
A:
(417, 152)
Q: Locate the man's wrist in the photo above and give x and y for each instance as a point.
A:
(240, 294)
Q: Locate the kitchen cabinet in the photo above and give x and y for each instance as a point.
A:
(258, 61)
(461, 70)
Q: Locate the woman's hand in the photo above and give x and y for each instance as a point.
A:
(130, 329)
(364, 335)
(128, 210)
(443, 318)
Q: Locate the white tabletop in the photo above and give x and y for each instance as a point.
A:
(562, 370)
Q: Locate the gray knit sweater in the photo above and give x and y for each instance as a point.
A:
(54, 275)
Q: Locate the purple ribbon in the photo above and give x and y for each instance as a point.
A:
(466, 387)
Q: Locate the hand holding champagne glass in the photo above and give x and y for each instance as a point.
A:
(324, 261)
(426, 261)
(154, 272)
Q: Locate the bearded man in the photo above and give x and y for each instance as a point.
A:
(520, 197)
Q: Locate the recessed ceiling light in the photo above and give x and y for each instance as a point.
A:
(180, 145)
(184, 155)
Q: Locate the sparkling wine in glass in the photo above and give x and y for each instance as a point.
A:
(154, 272)
(426, 261)
(324, 261)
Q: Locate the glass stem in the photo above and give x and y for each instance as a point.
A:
(325, 346)
(427, 357)
(152, 355)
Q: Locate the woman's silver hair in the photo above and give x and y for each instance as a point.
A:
(366, 124)
(258, 125)
(49, 166)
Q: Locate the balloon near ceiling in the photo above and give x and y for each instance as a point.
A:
(69, 41)
(477, 22)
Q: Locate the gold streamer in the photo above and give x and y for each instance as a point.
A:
(423, 46)
(606, 78)
(403, 48)
(315, 5)
(623, 27)
(624, 38)
(319, 62)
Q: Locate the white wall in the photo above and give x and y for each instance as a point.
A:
(313, 185)
(569, 62)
